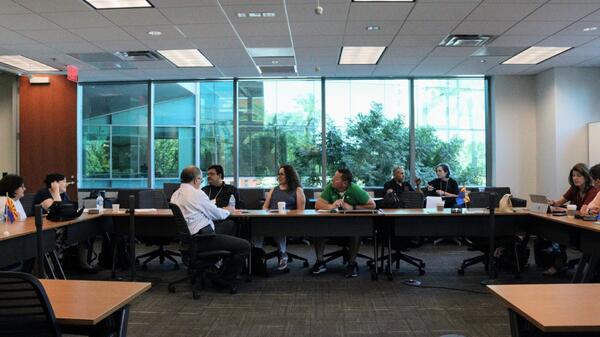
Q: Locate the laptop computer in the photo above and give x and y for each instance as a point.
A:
(539, 203)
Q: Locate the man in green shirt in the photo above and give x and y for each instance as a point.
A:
(341, 193)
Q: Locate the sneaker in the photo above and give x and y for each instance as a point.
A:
(319, 268)
(283, 262)
(351, 270)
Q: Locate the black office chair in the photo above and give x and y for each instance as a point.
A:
(25, 310)
(169, 189)
(27, 203)
(156, 199)
(477, 200)
(399, 244)
(198, 264)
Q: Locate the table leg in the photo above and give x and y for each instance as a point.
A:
(376, 271)
(389, 259)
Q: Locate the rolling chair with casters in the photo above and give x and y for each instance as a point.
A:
(400, 245)
(291, 258)
(155, 199)
(477, 200)
(23, 294)
(198, 264)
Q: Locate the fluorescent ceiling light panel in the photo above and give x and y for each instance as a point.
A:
(26, 64)
(184, 58)
(535, 55)
(361, 55)
(111, 4)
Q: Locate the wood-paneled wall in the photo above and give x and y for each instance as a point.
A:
(47, 130)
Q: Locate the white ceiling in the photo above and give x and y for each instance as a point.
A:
(48, 30)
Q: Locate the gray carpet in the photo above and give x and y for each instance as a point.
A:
(299, 304)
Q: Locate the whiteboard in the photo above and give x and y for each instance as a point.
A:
(594, 143)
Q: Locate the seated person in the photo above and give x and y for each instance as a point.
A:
(289, 191)
(444, 186)
(13, 186)
(397, 184)
(581, 193)
(219, 194)
(56, 191)
(593, 208)
(200, 215)
(341, 193)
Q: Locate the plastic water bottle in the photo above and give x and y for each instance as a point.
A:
(232, 201)
(100, 202)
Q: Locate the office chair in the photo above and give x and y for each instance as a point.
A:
(156, 199)
(27, 203)
(198, 264)
(400, 245)
(169, 189)
(477, 200)
(25, 310)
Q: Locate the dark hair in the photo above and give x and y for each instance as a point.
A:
(189, 173)
(346, 175)
(595, 171)
(446, 169)
(52, 177)
(291, 177)
(582, 169)
(218, 169)
(9, 184)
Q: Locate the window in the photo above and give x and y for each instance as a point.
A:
(115, 136)
(174, 130)
(450, 128)
(367, 128)
(279, 123)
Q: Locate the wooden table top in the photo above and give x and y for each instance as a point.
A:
(88, 302)
(20, 228)
(554, 307)
(579, 223)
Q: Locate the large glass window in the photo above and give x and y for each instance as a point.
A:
(216, 126)
(450, 128)
(367, 128)
(174, 130)
(279, 123)
(115, 135)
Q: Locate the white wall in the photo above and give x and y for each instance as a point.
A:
(545, 151)
(513, 107)
(8, 157)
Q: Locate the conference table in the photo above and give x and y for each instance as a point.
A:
(584, 235)
(571, 310)
(96, 308)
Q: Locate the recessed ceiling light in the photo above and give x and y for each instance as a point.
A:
(268, 15)
(184, 58)
(154, 33)
(254, 15)
(535, 55)
(373, 28)
(24, 63)
(241, 15)
(361, 55)
(590, 29)
(109, 4)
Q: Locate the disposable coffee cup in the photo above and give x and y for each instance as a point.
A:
(115, 208)
(440, 206)
(571, 210)
(281, 206)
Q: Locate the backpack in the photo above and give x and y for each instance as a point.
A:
(391, 200)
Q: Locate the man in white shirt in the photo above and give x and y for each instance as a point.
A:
(200, 213)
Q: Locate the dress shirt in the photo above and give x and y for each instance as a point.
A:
(197, 209)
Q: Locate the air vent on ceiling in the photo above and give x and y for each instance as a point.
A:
(143, 55)
(465, 40)
(277, 70)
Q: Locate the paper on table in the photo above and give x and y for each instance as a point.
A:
(433, 201)
(143, 210)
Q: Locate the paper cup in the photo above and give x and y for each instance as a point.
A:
(281, 206)
(440, 206)
(115, 208)
(571, 210)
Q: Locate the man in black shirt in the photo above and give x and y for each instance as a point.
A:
(217, 191)
(397, 184)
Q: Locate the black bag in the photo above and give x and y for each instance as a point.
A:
(258, 262)
(545, 252)
(505, 255)
(391, 200)
(105, 259)
(63, 210)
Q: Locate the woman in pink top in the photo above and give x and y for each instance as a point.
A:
(594, 206)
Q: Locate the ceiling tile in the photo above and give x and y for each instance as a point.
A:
(102, 34)
(508, 69)
(210, 43)
(199, 30)
(240, 71)
(354, 70)
(262, 29)
(301, 41)
(278, 10)
(418, 40)
(502, 12)
(483, 27)
(584, 51)
(141, 32)
(441, 11)
(318, 28)
(516, 40)
(306, 12)
(76, 47)
(453, 51)
(392, 70)
(565, 41)
(112, 46)
(25, 22)
(168, 44)
(570, 11)
(379, 11)
(10, 37)
(436, 60)
(189, 15)
(71, 20)
(52, 35)
(427, 27)
(312, 71)
(578, 29)
(136, 17)
(392, 59)
(48, 6)
(537, 27)
(431, 70)
(9, 7)
(271, 42)
(181, 3)
(360, 27)
(367, 40)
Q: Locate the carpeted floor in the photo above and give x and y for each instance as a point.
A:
(299, 304)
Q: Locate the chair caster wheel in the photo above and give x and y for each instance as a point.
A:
(305, 264)
(461, 272)
(172, 289)
(421, 272)
(144, 267)
(286, 270)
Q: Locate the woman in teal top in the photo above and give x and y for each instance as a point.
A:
(290, 192)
